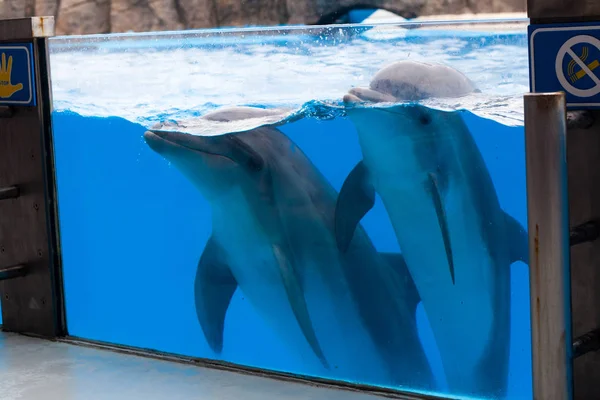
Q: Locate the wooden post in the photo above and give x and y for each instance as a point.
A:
(558, 11)
(583, 176)
(547, 215)
(30, 278)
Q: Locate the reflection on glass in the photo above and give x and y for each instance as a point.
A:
(340, 202)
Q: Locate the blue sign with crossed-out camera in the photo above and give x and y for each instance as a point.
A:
(17, 83)
(566, 57)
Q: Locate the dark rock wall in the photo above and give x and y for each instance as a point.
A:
(104, 16)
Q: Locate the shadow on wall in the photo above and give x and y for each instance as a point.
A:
(106, 16)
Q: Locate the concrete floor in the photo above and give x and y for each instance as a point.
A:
(34, 369)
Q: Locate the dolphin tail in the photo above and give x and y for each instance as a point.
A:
(356, 198)
(442, 220)
(398, 265)
(518, 239)
(214, 287)
(298, 303)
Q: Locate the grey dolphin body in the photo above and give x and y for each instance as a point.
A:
(457, 241)
(273, 237)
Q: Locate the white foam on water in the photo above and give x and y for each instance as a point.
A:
(152, 79)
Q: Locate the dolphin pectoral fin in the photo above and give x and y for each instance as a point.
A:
(398, 265)
(356, 198)
(298, 303)
(213, 289)
(518, 240)
(443, 221)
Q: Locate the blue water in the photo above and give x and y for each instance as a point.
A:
(133, 227)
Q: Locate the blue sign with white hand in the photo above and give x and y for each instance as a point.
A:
(17, 83)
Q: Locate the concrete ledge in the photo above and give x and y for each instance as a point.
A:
(26, 28)
(34, 369)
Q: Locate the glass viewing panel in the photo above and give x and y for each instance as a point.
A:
(343, 202)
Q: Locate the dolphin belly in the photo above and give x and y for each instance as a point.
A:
(461, 314)
(346, 342)
(346, 345)
(256, 269)
(334, 309)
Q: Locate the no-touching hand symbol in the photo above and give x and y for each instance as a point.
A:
(7, 89)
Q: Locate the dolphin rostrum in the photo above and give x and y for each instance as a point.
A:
(457, 241)
(273, 237)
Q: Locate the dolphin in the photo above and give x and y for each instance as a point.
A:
(273, 238)
(457, 241)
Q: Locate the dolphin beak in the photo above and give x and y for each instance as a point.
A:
(163, 141)
(366, 95)
(202, 144)
(222, 147)
(156, 142)
(175, 138)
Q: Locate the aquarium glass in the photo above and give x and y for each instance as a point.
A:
(338, 202)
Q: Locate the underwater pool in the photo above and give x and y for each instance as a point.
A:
(378, 244)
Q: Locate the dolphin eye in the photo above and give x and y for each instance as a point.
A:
(425, 119)
(254, 164)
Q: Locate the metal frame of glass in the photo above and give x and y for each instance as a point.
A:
(30, 260)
